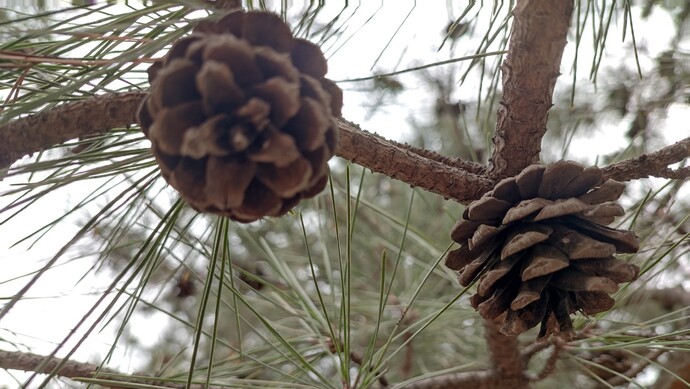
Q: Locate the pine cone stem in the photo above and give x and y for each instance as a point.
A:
(504, 356)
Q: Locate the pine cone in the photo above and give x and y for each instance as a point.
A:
(240, 117)
(539, 246)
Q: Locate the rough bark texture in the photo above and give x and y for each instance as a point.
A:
(400, 162)
(64, 122)
(538, 36)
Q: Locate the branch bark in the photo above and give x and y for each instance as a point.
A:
(405, 164)
(453, 178)
(537, 40)
(15, 360)
(45, 129)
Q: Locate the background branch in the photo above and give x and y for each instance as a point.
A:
(15, 360)
(470, 379)
(636, 368)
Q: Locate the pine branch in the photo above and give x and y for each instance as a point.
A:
(57, 125)
(97, 115)
(452, 178)
(15, 360)
(537, 40)
(409, 165)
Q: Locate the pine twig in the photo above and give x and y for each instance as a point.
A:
(531, 350)
(16, 360)
(470, 379)
(637, 368)
(550, 365)
(653, 164)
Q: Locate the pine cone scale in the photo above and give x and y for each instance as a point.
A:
(557, 176)
(544, 260)
(226, 181)
(218, 89)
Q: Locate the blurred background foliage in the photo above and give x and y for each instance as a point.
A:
(350, 288)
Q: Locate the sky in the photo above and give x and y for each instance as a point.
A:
(407, 35)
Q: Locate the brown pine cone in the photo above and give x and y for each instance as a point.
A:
(240, 117)
(539, 246)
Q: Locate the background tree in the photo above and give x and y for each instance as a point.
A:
(349, 290)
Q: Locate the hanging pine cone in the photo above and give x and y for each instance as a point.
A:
(539, 245)
(240, 117)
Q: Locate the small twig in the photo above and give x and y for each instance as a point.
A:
(531, 350)
(637, 368)
(15, 360)
(470, 379)
(550, 364)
